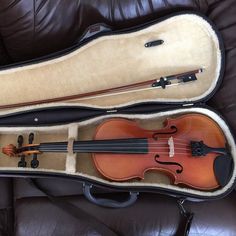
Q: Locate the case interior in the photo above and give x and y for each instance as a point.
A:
(82, 164)
(190, 42)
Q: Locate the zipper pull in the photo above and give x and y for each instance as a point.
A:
(186, 219)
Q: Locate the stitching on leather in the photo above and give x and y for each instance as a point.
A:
(11, 5)
(151, 5)
(120, 10)
(41, 5)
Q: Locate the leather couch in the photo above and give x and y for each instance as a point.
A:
(30, 29)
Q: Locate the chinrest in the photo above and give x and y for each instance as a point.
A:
(223, 168)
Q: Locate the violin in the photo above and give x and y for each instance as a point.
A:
(184, 149)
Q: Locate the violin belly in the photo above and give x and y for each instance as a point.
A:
(169, 151)
(195, 174)
(123, 167)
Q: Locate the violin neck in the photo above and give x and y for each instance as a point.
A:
(129, 146)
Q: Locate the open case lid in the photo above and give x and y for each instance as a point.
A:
(189, 42)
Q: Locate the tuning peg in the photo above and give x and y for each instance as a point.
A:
(20, 140)
(34, 163)
(22, 162)
(31, 138)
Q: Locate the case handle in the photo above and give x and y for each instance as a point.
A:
(108, 202)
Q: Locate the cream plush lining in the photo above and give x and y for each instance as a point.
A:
(82, 165)
(116, 60)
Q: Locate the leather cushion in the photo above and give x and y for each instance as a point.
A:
(6, 206)
(152, 214)
(35, 28)
(4, 57)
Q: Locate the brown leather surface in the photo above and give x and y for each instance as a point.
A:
(224, 16)
(4, 57)
(151, 215)
(35, 28)
(59, 187)
(6, 206)
(29, 29)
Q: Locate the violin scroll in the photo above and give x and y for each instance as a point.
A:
(22, 151)
(10, 150)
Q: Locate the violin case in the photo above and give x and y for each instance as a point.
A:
(39, 97)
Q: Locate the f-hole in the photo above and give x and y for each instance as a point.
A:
(178, 170)
(173, 131)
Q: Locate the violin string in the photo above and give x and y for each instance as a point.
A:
(163, 145)
(174, 138)
(117, 148)
(150, 144)
(64, 149)
(156, 153)
(170, 137)
(121, 146)
(114, 152)
(139, 147)
(161, 151)
(62, 146)
(116, 144)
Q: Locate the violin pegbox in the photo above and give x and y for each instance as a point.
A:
(34, 162)
(22, 162)
(12, 151)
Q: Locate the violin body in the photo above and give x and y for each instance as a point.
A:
(169, 151)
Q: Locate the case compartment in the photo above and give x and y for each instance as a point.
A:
(82, 166)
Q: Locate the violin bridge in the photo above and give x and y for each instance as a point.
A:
(171, 147)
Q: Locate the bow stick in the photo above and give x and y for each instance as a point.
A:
(163, 82)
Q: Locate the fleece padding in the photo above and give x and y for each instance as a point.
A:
(109, 61)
